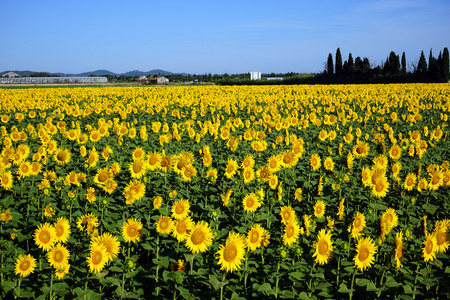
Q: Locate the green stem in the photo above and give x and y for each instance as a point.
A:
(415, 280)
(221, 288)
(277, 279)
(51, 287)
(310, 280)
(351, 286)
(18, 287)
(381, 281)
(157, 267)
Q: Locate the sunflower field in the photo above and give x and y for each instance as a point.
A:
(305, 192)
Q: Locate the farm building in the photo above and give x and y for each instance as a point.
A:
(54, 80)
(255, 75)
(158, 80)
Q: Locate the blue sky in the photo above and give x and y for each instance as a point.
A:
(215, 37)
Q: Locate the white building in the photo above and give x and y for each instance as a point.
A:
(255, 75)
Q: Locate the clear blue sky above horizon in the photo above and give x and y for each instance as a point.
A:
(215, 37)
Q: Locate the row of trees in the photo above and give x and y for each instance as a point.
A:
(393, 69)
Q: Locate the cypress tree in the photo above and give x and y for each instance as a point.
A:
(403, 63)
(422, 65)
(445, 64)
(330, 67)
(338, 68)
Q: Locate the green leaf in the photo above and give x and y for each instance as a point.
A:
(8, 285)
(303, 296)
(408, 290)
(266, 288)
(390, 282)
(362, 282)
(235, 296)
(216, 283)
(343, 288)
(115, 269)
(371, 287)
(297, 275)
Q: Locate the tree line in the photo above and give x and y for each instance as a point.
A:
(393, 69)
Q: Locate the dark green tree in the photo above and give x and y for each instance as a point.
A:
(338, 68)
(422, 65)
(403, 63)
(444, 66)
(433, 68)
(330, 66)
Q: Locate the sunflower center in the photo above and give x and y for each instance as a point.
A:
(230, 253)
(379, 186)
(363, 254)
(198, 237)
(97, 257)
(102, 177)
(319, 210)
(254, 237)
(429, 247)
(25, 265)
(62, 156)
(137, 167)
(273, 164)
(360, 150)
(188, 173)
(357, 223)
(435, 179)
(59, 230)
(323, 247)
(58, 256)
(179, 209)
(132, 231)
(181, 228)
(289, 231)
(286, 215)
(441, 238)
(250, 202)
(44, 237)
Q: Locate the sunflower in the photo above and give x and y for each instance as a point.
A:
(157, 202)
(207, 159)
(365, 253)
(291, 233)
(91, 195)
(62, 230)
(232, 253)
(226, 197)
(251, 202)
(154, 161)
(115, 168)
(24, 169)
(138, 153)
(110, 186)
(132, 230)
(200, 237)
(328, 164)
(231, 168)
(25, 265)
(436, 180)
(62, 156)
(273, 181)
(341, 209)
(88, 223)
(398, 252)
(188, 172)
(166, 163)
(109, 242)
(255, 237)
(298, 194)
(248, 162)
(97, 259)
(49, 211)
(442, 239)
(429, 247)
(249, 175)
(410, 181)
(60, 273)
(323, 247)
(103, 175)
(380, 188)
(45, 236)
(361, 149)
(137, 168)
(287, 214)
(263, 173)
(395, 152)
(6, 180)
(390, 218)
(106, 153)
(93, 158)
(58, 256)
(181, 228)
(274, 163)
(180, 209)
(164, 225)
(323, 134)
(319, 209)
(315, 161)
(288, 159)
(358, 225)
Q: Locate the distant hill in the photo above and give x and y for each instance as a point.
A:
(101, 72)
